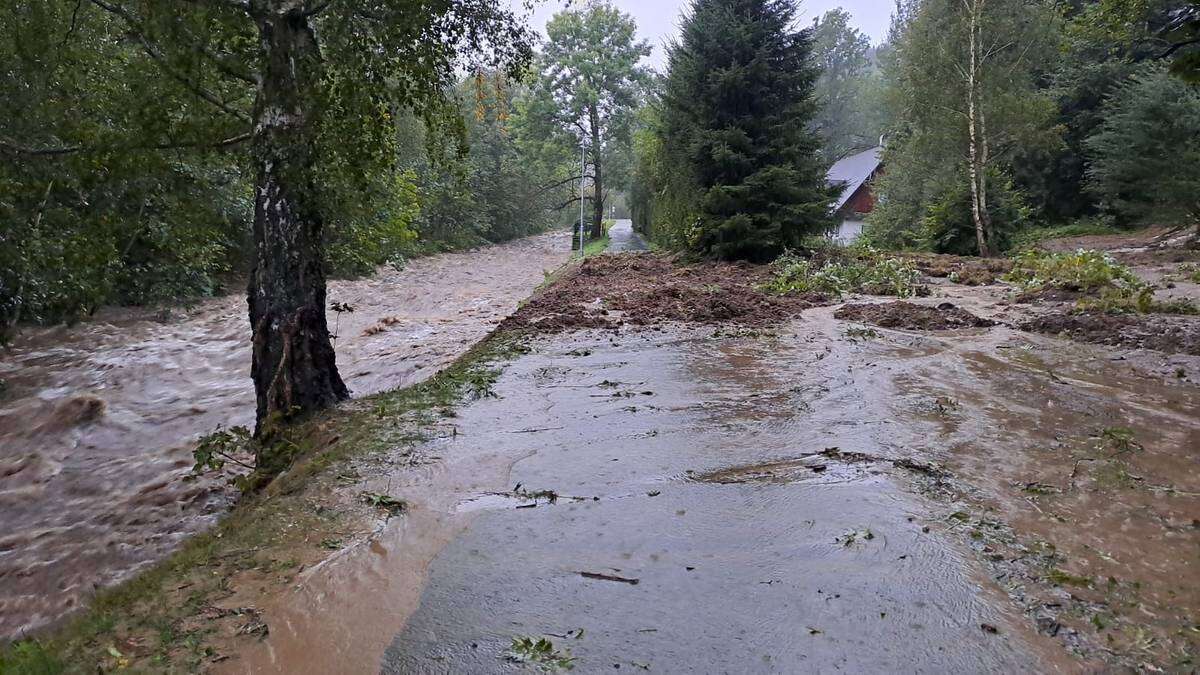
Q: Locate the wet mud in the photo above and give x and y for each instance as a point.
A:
(969, 271)
(945, 316)
(1160, 332)
(611, 291)
(97, 419)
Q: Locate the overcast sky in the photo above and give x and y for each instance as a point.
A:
(658, 19)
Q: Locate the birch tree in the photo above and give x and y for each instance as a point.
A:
(964, 91)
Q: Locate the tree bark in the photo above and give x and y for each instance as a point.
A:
(597, 177)
(294, 367)
(974, 149)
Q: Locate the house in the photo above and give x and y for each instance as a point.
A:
(855, 175)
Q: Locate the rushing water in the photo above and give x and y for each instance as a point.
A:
(96, 424)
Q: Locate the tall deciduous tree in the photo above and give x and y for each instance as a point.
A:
(311, 85)
(736, 119)
(587, 87)
(848, 117)
(964, 92)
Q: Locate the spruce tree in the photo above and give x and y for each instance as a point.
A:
(737, 117)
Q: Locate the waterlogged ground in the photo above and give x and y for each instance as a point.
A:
(821, 495)
(97, 418)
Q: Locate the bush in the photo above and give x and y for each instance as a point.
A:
(1110, 287)
(867, 272)
(1083, 271)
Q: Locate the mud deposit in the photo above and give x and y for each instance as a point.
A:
(96, 424)
(613, 290)
(961, 269)
(910, 316)
(1164, 333)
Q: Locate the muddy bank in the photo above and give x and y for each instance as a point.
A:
(615, 290)
(1160, 332)
(945, 316)
(96, 424)
(965, 270)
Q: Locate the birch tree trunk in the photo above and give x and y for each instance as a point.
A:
(294, 368)
(977, 145)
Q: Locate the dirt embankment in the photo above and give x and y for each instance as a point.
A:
(907, 315)
(648, 289)
(1165, 333)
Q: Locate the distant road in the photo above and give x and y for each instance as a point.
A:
(622, 238)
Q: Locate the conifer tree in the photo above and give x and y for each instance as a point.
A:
(737, 116)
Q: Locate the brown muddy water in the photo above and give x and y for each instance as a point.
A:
(799, 500)
(96, 425)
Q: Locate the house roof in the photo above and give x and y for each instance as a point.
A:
(853, 171)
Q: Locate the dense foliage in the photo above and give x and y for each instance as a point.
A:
(1069, 116)
(735, 165)
(126, 174)
(588, 84)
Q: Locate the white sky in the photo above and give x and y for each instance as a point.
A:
(658, 19)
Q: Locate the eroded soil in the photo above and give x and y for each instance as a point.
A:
(96, 422)
(945, 316)
(610, 291)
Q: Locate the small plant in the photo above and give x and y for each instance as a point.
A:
(851, 538)
(1083, 271)
(1120, 440)
(870, 272)
(1190, 272)
(856, 333)
(540, 652)
(387, 503)
(220, 447)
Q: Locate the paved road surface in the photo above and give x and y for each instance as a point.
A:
(622, 238)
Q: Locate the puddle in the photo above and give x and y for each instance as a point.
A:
(95, 424)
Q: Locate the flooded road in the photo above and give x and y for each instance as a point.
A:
(97, 419)
(818, 497)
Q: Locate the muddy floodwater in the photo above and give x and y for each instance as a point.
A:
(818, 497)
(97, 418)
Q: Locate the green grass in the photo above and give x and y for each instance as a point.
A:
(595, 247)
(1080, 228)
(265, 532)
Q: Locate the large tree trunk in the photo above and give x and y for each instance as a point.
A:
(976, 150)
(598, 176)
(294, 367)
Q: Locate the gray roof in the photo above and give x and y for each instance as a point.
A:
(853, 171)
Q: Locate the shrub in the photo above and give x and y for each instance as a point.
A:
(867, 272)
(1083, 271)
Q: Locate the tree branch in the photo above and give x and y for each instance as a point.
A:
(151, 51)
(18, 149)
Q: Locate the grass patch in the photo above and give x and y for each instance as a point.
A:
(836, 272)
(595, 247)
(165, 619)
(1081, 228)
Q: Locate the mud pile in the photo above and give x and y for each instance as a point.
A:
(961, 269)
(1165, 333)
(912, 317)
(610, 291)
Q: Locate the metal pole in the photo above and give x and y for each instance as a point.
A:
(582, 178)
